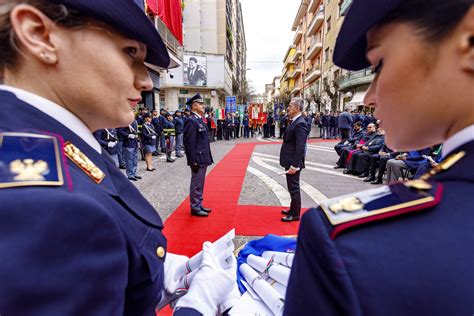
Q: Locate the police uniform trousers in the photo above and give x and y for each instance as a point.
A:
(197, 187)
(131, 161)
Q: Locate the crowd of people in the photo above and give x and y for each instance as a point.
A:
(362, 152)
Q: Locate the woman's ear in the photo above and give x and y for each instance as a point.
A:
(33, 32)
(466, 42)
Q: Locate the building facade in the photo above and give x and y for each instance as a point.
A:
(214, 55)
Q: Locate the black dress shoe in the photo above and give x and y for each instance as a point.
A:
(205, 209)
(122, 167)
(362, 175)
(132, 178)
(138, 177)
(286, 212)
(169, 160)
(346, 171)
(338, 167)
(376, 182)
(369, 179)
(199, 213)
(152, 169)
(290, 218)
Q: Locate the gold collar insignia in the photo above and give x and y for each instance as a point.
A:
(84, 163)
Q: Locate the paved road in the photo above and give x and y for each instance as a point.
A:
(168, 186)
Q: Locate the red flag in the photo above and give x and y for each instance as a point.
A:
(169, 11)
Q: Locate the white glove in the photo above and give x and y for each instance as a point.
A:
(131, 136)
(211, 285)
(153, 137)
(172, 262)
(233, 297)
(111, 144)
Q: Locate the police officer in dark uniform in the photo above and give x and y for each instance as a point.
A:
(76, 237)
(107, 138)
(179, 128)
(198, 154)
(156, 122)
(130, 137)
(404, 248)
(245, 123)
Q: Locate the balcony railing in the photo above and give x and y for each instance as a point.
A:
(315, 47)
(295, 73)
(316, 22)
(298, 35)
(313, 74)
(169, 39)
(313, 5)
(356, 78)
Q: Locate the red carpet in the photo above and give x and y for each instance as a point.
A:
(224, 183)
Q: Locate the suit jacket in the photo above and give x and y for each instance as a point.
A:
(384, 267)
(125, 131)
(196, 142)
(375, 143)
(345, 120)
(104, 136)
(197, 78)
(293, 148)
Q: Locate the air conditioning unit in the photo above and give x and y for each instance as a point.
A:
(213, 93)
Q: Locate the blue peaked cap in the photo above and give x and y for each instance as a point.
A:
(351, 43)
(196, 98)
(127, 17)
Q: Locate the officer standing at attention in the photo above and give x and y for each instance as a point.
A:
(404, 248)
(76, 237)
(107, 138)
(198, 154)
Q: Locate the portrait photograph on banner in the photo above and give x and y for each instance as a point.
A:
(195, 70)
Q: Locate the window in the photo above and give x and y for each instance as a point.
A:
(207, 101)
(162, 101)
(328, 24)
(326, 54)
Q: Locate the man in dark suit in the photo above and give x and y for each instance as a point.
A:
(198, 154)
(292, 156)
(345, 123)
(196, 76)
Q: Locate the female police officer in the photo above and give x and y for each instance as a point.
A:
(403, 249)
(76, 238)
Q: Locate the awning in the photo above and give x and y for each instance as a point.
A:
(357, 99)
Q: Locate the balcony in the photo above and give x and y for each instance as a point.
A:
(288, 52)
(296, 55)
(345, 7)
(289, 62)
(356, 78)
(295, 73)
(315, 47)
(295, 90)
(298, 35)
(313, 6)
(316, 22)
(313, 75)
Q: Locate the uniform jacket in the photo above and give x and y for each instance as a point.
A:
(125, 131)
(415, 158)
(80, 248)
(293, 148)
(416, 263)
(333, 121)
(104, 136)
(178, 125)
(245, 120)
(345, 120)
(325, 120)
(196, 142)
(148, 131)
(168, 129)
(157, 124)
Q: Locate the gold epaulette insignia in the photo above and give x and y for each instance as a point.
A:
(84, 163)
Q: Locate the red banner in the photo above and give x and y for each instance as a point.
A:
(169, 11)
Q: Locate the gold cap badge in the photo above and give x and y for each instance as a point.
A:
(81, 160)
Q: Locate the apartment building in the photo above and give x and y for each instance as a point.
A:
(214, 55)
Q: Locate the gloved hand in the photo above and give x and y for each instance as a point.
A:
(132, 136)
(111, 144)
(171, 280)
(195, 168)
(211, 285)
(153, 137)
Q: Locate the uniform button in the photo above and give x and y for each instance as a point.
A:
(160, 252)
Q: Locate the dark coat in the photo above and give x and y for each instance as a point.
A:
(157, 124)
(104, 136)
(383, 267)
(196, 142)
(147, 134)
(125, 131)
(293, 148)
(78, 247)
(375, 143)
(178, 125)
(325, 120)
(345, 120)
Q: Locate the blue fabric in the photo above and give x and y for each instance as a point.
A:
(345, 120)
(196, 142)
(351, 43)
(257, 247)
(78, 249)
(419, 263)
(136, 26)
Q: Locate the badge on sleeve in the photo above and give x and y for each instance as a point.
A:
(28, 159)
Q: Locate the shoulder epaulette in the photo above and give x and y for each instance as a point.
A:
(29, 159)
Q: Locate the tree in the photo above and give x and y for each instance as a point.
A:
(332, 90)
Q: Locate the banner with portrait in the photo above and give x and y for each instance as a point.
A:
(194, 70)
